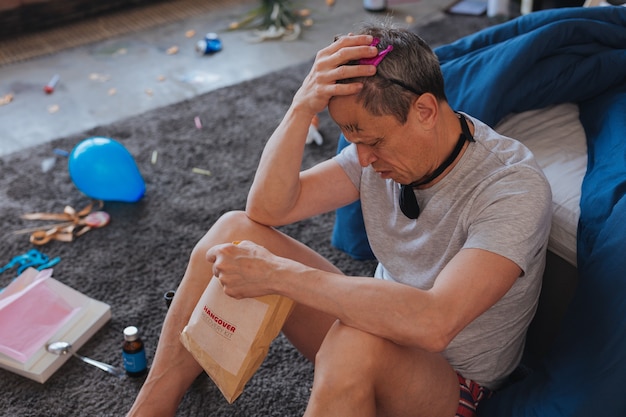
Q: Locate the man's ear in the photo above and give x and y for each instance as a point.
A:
(426, 107)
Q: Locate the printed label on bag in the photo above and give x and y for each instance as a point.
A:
(235, 322)
(219, 325)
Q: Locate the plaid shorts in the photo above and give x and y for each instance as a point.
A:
(471, 395)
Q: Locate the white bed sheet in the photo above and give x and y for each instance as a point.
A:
(557, 138)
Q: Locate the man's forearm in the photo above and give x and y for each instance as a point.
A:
(276, 185)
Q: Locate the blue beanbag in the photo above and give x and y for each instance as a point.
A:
(349, 231)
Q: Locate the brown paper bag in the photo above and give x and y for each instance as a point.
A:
(230, 338)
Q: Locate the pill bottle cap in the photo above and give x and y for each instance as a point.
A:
(131, 333)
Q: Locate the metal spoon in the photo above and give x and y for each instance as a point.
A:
(63, 348)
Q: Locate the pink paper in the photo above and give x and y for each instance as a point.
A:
(29, 317)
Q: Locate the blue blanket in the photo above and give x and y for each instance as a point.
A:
(565, 55)
(544, 58)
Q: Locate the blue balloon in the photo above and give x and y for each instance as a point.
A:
(103, 169)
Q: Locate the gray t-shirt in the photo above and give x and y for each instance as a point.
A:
(496, 198)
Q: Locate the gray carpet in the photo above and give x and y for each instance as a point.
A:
(133, 261)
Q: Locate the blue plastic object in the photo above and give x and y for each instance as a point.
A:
(103, 169)
(31, 259)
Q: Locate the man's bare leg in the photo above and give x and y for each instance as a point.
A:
(359, 374)
(173, 369)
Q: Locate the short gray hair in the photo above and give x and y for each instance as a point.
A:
(410, 68)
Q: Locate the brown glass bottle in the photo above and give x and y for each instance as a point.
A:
(133, 353)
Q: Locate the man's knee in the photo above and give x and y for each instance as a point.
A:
(353, 351)
(232, 223)
(346, 366)
(236, 225)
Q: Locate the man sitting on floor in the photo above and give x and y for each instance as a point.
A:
(457, 215)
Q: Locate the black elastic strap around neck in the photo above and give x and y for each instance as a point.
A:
(408, 202)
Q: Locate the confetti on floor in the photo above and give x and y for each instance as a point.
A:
(201, 171)
(6, 99)
(94, 76)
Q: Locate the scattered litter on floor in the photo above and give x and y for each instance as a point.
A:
(149, 92)
(31, 259)
(172, 50)
(314, 135)
(61, 152)
(72, 224)
(47, 164)
(49, 88)
(198, 122)
(112, 91)
(53, 108)
(209, 45)
(154, 157)
(94, 76)
(274, 32)
(201, 171)
(190, 33)
(6, 99)
(200, 77)
(161, 78)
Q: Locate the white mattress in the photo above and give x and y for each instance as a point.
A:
(557, 138)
